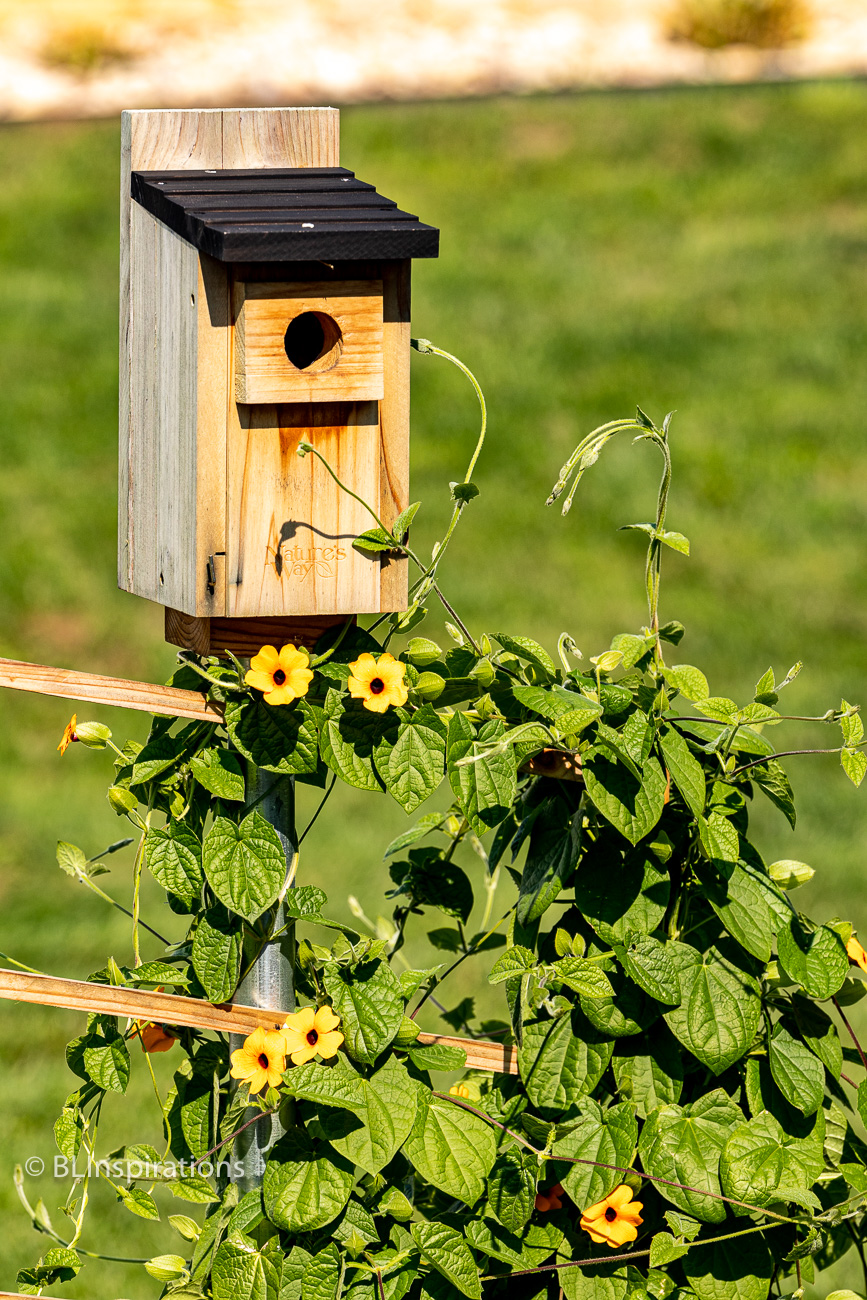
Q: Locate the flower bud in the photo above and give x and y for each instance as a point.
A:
(95, 735)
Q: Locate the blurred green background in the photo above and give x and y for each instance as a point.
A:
(704, 250)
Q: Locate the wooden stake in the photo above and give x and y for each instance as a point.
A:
(193, 1013)
(72, 685)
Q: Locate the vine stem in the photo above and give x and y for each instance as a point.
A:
(435, 983)
(634, 1254)
(262, 1114)
(618, 1169)
(852, 1034)
(783, 753)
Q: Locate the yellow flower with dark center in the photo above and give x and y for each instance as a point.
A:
(615, 1220)
(378, 683)
(284, 676)
(310, 1033)
(261, 1061)
(68, 736)
(857, 953)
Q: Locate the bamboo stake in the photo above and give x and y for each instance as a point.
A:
(143, 696)
(173, 1009)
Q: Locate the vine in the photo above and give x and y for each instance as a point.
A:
(667, 1022)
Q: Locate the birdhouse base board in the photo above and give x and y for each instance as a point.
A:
(245, 636)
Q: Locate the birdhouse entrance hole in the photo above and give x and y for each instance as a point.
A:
(313, 341)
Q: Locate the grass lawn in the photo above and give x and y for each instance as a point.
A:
(698, 250)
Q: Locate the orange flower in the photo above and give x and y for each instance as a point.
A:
(261, 1061)
(378, 683)
(154, 1038)
(615, 1220)
(546, 1201)
(857, 953)
(309, 1033)
(68, 736)
(283, 676)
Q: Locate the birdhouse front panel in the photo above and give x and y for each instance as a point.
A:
(266, 306)
(314, 341)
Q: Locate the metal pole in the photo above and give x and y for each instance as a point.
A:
(270, 982)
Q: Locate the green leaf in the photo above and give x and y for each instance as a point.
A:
(369, 1001)
(790, 874)
(174, 858)
(819, 1033)
(485, 788)
(561, 1060)
(220, 772)
(375, 539)
(691, 682)
(632, 808)
(451, 1147)
(157, 757)
(106, 1059)
(305, 1185)
(348, 738)
(762, 1163)
(386, 1113)
(731, 1270)
(413, 765)
(139, 1202)
(512, 1189)
(281, 738)
(686, 771)
(627, 1012)
(637, 904)
(339, 1086)
(815, 959)
(436, 1056)
(854, 763)
(665, 1250)
(720, 1007)
(583, 976)
(449, 1254)
(606, 1137)
(771, 778)
(649, 963)
(400, 527)
(569, 710)
(242, 1271)
(676, 541)
(245, 864)
(749, 906)
(797, 1072)
(464, 491)
(649, 1074)
(719, 838)
(71, 859)
(424, 826)
(555, 843)
(216, 955)
(68, 1132)
(683, 1144)
(530, 651)
(322, 1275)
(514, 961)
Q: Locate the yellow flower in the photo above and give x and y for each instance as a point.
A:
(459, 1090)
(262, 1059)
(857, 953)
(378, 684)
(283, 677)
(309, 1033)
(615, 1220)
(69, 735)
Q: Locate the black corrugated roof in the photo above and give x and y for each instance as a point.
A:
(291, 214)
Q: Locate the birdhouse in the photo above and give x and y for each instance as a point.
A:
(265, 301)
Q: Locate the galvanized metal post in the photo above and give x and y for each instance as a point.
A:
(270, 982)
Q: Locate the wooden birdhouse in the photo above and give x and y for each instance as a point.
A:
(265, 299)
